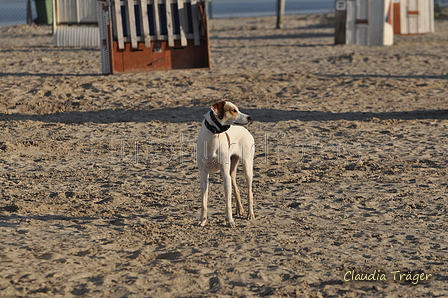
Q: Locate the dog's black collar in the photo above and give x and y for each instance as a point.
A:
(219, 129)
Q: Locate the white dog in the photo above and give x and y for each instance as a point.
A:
(222, 143)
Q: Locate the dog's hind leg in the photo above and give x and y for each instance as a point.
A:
(204, 196)
(233, 169)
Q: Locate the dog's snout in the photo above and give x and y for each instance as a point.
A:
(249, 119)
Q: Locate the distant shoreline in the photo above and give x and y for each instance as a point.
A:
(15, 13)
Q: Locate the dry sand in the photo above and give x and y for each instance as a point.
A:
(100, 192)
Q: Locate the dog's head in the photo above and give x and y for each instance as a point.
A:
(228, 114)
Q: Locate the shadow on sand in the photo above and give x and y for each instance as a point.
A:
(195, 114)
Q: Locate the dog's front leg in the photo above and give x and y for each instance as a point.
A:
(204, 196)
(248, 170)
(228, 197)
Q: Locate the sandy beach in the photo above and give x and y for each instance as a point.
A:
(100, 190)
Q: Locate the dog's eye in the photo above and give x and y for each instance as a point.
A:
(234, 110)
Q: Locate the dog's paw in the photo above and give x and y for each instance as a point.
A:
(203, 222)
(250, 216)
(239, 212)
(231, 224)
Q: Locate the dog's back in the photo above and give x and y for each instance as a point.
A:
(242, 143)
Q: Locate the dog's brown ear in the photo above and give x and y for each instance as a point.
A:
(218, 109)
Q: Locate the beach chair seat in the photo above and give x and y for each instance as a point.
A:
(147, 35)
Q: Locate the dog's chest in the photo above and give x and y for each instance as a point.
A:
(215, 150)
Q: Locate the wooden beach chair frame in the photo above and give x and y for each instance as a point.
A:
(148, 35)
(75, 23)
(413, 17)
(364, 22)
